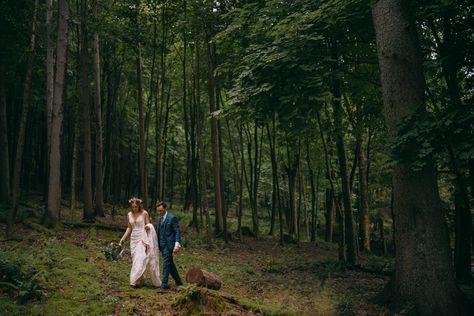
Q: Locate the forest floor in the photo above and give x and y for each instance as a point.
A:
(72, 276)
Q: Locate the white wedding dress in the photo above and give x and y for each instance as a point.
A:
(144, 261)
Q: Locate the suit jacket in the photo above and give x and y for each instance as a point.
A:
(168, 232)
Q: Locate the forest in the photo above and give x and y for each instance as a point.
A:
(319, 155)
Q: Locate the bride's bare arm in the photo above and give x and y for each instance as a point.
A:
(127, 233)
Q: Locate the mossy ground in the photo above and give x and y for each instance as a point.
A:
(260, 275)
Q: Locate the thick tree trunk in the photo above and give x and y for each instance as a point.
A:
(99, 183)
(53, 209)
(88, 212)
(11, 213)
(423, 270)
(4, 155)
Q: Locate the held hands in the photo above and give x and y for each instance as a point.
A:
(176, 248)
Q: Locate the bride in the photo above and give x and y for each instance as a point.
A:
(143, 245)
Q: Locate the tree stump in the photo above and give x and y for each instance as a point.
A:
(203, 278)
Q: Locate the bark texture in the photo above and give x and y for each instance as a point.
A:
(423, 270)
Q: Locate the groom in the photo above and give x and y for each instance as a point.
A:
(169, 237)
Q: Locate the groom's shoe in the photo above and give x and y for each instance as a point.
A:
(164, 286)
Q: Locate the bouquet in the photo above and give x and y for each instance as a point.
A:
(113, 251)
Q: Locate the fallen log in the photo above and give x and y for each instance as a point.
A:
(203, 278)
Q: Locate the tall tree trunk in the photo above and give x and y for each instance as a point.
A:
(74, 168)
(76, 131)
(164, 146)
(423, 270)
(214, 138)
(463, 218)
(202, 152)
(187, 130)
(291, 170)
(346, 191)
(254, 183)
(159, 109)
(364, 198)
(314, 215)
(203, 180)
(471, 184)
(88, 212)
(99, 183)
(329, 214)
(275, 185)
(4, 155)
(463, 224)
(330, 193)
(242, 175)
(237, 176)
(194, 152)
(221, 155)
(49, 84)
(53, 209)
(11, 213)
(141, 126)
(302, 201)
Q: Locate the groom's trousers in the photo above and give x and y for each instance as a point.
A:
(169, 267)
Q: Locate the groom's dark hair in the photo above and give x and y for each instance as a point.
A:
(159, 203)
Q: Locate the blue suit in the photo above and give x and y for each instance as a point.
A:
(168, 234)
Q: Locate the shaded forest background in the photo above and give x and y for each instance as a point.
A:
(318, 118)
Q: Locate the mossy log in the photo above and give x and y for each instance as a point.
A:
(203, 278)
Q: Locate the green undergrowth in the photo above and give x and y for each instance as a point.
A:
(73, 277)
(68, 274)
